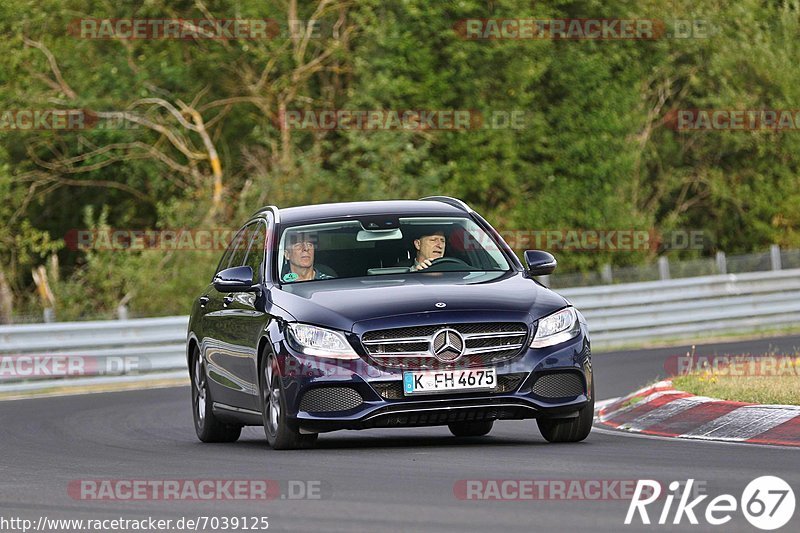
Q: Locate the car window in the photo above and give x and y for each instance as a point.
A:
(226, 257)
(255, 253)
(239, 246)
(358, 248)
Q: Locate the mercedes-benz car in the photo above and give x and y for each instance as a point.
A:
(329, 317)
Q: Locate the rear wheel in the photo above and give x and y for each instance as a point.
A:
(207, 426)
(569, 429)
(281, 435)
(471, 429)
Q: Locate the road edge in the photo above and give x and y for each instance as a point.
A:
(92, 385)
(661, 410)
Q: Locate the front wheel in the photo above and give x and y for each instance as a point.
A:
(207, 426)
(281, 435)
(569, 429)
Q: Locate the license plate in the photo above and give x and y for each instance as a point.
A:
(438, 381)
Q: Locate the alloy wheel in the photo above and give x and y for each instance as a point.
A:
(272, 398)
(200, 386)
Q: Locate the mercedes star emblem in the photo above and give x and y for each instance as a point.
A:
(447, 345)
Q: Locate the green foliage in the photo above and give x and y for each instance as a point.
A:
(594, 150)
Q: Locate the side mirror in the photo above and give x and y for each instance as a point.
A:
(235, 279)
(540, 263)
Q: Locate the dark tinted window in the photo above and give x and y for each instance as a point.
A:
(238, 248)
(226, 257)
(255, 255)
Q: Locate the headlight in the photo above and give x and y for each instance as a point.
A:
(321, 342)
(559, 327)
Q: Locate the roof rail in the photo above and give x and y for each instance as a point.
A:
(455, 202)
(275, 212)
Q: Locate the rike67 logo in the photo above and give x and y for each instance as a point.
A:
(767, 502)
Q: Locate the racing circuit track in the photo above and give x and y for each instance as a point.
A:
(379, 480)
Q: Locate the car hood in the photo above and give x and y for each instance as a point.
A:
(356, 304)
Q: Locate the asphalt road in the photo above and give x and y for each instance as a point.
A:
(378, 480)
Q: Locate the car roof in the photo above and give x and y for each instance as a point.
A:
(292, 215)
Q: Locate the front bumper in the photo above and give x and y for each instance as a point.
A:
(376, 401)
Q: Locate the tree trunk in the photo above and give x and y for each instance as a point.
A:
(6, 300)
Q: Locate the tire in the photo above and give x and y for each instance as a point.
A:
(471, 429)
(281, 434)
(569, 429)
(207, 426)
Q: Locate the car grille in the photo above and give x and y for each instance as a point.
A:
(558, 385)
(393, 390)
(330, 399)
(410, 347)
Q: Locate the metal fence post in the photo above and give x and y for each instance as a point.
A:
(663, 268)
(775, 256)
(605, 274)
(722, 263)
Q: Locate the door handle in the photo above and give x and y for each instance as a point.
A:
(227, 300)
(204, 300)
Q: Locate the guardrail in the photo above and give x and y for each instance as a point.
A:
(41, 353)
(674, 309)
(618, 315)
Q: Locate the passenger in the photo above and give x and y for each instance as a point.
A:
(299, 253)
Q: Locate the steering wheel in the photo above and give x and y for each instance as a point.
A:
(453, 261)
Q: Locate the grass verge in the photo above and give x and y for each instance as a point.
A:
(776, 390)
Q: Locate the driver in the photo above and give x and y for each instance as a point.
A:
(299, 253)
(429, 247)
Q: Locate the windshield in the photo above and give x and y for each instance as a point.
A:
(376, 246)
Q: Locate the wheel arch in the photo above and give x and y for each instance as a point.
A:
(264, 348)
(191, 344)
